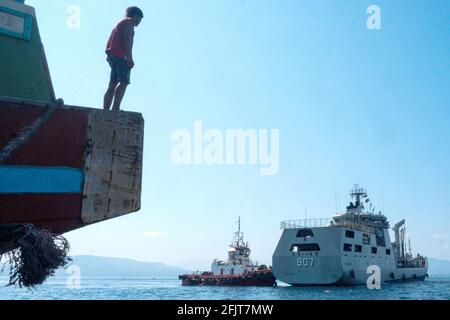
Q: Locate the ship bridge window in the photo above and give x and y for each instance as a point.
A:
(366, 238)
(388, 252)
(349, 234)
(347, 247)
(305, 233)
(305, 247)
(379, 236)
(358, 248)
(15, 24)
(374, 250)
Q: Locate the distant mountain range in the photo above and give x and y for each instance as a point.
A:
(93, 266)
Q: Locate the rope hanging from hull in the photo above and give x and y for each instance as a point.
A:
(29, 131)
(35, 254)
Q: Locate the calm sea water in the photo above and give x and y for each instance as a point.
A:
(170, 289)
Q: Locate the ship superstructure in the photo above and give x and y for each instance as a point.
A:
(340, 250)
(238, 257)
(238, 270)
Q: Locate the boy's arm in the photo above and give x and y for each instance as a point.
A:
(128, 43)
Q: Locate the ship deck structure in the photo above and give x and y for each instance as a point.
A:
(345, 249)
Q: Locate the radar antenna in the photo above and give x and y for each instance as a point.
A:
(358, 194)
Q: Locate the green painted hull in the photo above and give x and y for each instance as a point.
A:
(24, 71)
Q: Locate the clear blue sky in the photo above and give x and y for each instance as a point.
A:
(352, 106)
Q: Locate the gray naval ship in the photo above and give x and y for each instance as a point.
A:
(345, 249)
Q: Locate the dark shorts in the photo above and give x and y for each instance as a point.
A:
(120, 70)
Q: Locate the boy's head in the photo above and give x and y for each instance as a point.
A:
(136, 14)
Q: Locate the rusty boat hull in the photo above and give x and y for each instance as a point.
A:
(81, 166)
(61, 167)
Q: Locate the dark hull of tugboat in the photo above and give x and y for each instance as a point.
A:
(259, 279)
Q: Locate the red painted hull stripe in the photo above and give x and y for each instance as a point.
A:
(58, 212)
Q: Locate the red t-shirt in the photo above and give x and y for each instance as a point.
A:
(116, 43)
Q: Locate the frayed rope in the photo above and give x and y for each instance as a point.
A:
(37, 254)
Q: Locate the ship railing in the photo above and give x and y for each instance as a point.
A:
(306, 223)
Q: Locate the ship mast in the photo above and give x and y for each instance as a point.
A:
(239, 236)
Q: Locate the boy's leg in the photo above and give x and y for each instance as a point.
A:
(109, 96)
(113, 81)
(123, 76)
(118, 95)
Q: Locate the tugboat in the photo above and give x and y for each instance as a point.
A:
(345, 249)
(239, 270)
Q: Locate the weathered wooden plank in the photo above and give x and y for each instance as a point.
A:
(113, 170)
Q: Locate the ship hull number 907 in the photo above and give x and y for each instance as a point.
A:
(305, 262)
